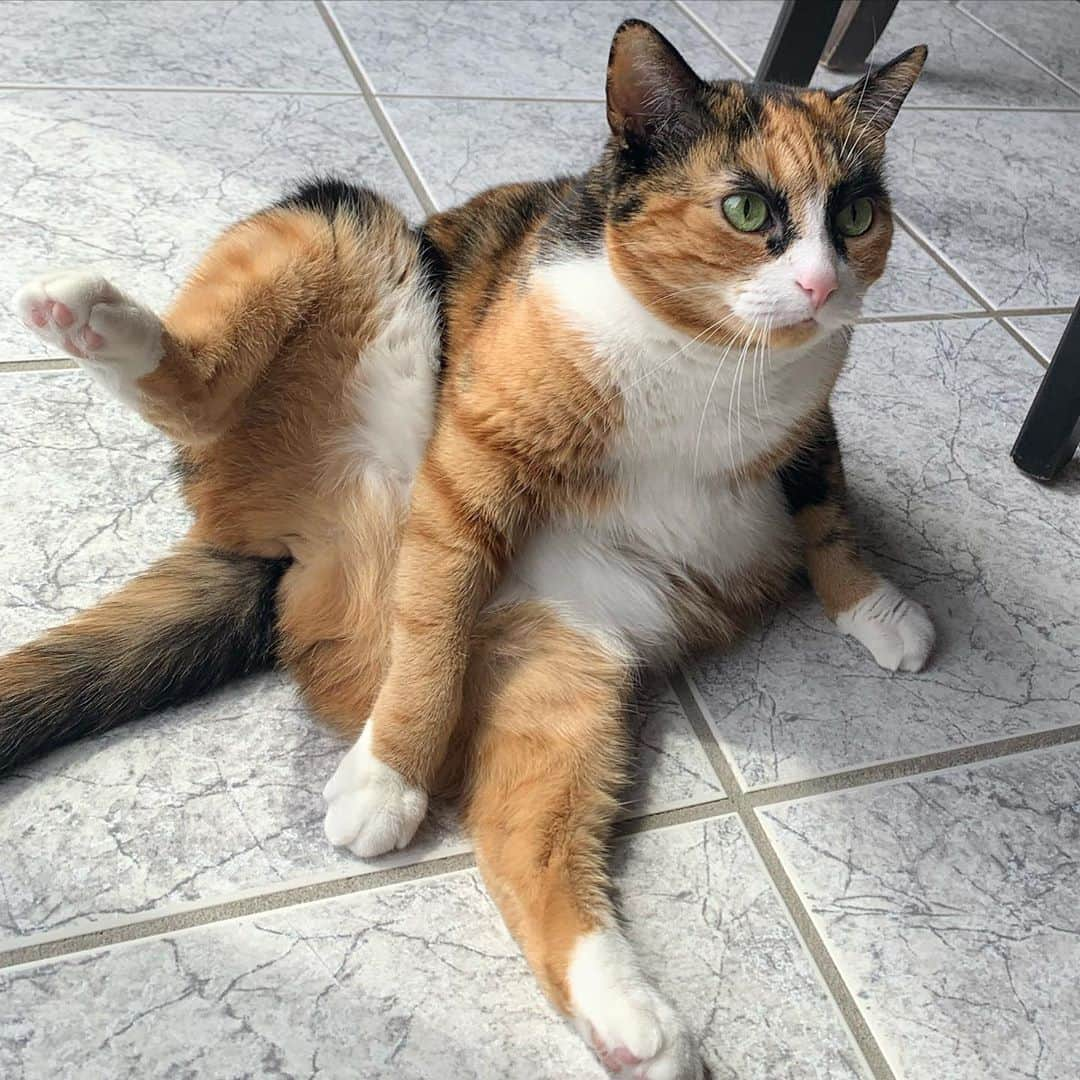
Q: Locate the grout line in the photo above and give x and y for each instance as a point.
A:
(942, 260)
(382, 119)
(53, 944)
(812, 940)
(523, 98)
(302, 91)
(876, 772)
(709, 33)
(45, 363)
(1016, 48)
(1029, 346)
(939, 316)
(228, 910)
(917, 316)
(918, 106)
(403, 95)
(133, 88)
(919, 765)
(1017, 312)
(681, 815)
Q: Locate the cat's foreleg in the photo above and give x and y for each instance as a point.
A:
(457, 539)
(896, 629)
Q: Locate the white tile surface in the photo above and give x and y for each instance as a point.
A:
(507, 48)
(264, 43)
(951, 905)
(422, 981)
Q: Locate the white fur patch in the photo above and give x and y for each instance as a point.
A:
(394, 387)
(370, 808)
(116, 339)
(895, 629)
(691, 413)
(772, 293)
(633, 1030)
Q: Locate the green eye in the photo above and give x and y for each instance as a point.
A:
(855, 218)
(746, 211)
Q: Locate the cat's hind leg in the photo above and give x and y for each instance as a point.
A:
(323, 260)
(546, 761)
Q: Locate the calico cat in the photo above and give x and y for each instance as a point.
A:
(465, 480)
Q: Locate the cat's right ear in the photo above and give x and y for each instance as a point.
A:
(651, 89)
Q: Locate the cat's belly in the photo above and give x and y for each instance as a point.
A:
(632, 576)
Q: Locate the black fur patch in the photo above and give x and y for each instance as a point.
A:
(329, 195)
(805, 478)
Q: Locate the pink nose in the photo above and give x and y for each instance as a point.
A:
(819, 283)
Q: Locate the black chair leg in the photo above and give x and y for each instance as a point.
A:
(797, 41)
(1051, 430)
(855, 33)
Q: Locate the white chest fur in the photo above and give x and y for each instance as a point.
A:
(691, 414)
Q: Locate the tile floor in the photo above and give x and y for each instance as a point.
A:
(834, 872)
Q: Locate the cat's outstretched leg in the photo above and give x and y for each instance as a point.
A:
(189, 373)
(324, 258)
(546, 761)
(895, 629)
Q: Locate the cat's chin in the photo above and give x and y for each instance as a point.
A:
(793, 335)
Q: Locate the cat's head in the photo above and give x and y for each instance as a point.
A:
(739, 210)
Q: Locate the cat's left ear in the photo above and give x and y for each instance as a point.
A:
(651, 90)
(876, 99)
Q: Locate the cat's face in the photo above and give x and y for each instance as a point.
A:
(742, 211)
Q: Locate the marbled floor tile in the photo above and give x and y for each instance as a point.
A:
(139, 184)
(671, 768)
(967, 64)
(462, 147)
(1048, 30)
(507, 48)
(951, 903)
(1043, 331)
(927, 413)
(222, 795)
(263, 43)
(422, 981)
(989, 190)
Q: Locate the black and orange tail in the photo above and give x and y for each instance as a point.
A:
(191, 622)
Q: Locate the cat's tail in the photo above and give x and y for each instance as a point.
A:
(190, 623)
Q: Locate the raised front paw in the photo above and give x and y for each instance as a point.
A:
(895, 629)
(89, 318)
(370, 807)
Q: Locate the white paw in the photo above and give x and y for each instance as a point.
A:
(895, 629)
(633, 1030)
(86, 316)
(370, 808)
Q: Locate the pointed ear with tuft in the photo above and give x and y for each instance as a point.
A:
(651, 90)
(876, 99)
